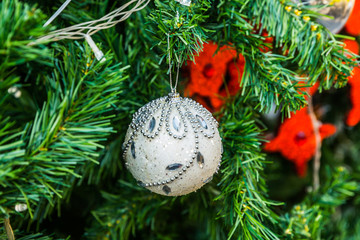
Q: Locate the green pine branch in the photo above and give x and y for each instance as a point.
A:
(182, 25)
(124, 213)
(67, 132)
(20, 235)
(310, 46)
(132, 211)
(301, 47)
(86, 102)
(245, 207)
(20, 24)
(314, 214)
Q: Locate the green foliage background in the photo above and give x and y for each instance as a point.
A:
(60, 142)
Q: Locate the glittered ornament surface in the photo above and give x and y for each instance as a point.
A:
(173, 146)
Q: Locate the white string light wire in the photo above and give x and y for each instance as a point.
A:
(80, 31)
(57, 13)
(86, 29)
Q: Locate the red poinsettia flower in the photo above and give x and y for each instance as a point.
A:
(352, 24)
(353, 117)
(214, 76)
(296, 139)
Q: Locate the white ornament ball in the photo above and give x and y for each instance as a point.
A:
(172, 146)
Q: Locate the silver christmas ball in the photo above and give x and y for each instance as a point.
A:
(172, 146)
(340, 10)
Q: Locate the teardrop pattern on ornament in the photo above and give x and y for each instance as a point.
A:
(152, 124)
(200, 160)
(166, 189)
(208, 179)
(176, 123)
(139, 118)
(201, 121)
(133, 150)
(174, 166)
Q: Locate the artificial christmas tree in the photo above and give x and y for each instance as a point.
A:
(69, 89)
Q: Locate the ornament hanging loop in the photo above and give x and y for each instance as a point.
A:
(173, 88)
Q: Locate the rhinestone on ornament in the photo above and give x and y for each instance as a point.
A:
(167, 144)
(176, 123)
(152, 124)
(174, 166)
(200, 160)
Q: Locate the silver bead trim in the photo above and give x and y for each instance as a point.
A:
(172, 107)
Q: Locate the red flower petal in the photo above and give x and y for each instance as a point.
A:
(326, 130)
(207, 86)
(296, 139)
(352, 24)
(353, 117)
(352, 45)
(207, 74)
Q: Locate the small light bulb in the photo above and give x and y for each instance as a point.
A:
(20, 207)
